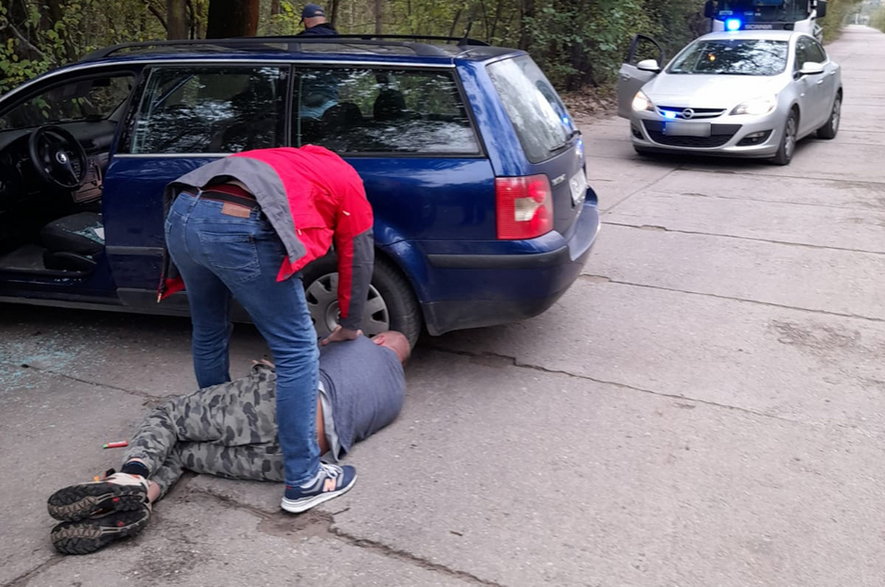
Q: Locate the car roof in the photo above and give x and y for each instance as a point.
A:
(392, 50)
(769, 35)
(344, 48)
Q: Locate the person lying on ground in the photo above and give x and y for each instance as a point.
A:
(229, 430)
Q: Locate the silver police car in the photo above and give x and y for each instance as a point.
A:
(742, 94)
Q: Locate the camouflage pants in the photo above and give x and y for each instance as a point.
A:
(228, 430)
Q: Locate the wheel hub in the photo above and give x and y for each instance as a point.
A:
(322, 301)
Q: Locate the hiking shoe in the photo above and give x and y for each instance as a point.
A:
(119, 492)
(331, 481)
(85, 536)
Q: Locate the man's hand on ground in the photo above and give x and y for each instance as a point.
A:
(340, 334)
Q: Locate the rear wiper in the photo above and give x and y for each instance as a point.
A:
(568, 140)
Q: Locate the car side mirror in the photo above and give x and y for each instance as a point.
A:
(649, 65)
(821, 8)
(709, 9)
(811, 68)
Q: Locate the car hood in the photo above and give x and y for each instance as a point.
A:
(709, 91)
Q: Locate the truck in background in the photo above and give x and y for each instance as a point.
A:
(797, 15)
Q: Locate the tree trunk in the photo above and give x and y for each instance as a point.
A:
(377, 17)
(232, 18)
(176, 19)
(527, 9)
(332, 11)
(274, 7)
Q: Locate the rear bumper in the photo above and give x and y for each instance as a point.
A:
(496, 289)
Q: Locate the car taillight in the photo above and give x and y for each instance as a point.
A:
(524, 206)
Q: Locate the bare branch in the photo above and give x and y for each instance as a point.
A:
(24, 40)
(455, 23)
(153, 10)
(192, 19)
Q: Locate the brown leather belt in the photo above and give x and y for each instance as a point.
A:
(231, 194)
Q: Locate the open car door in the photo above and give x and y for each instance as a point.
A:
(630, 76)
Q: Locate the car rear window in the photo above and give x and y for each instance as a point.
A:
(362, 110)
(732, 57)
(538, 115)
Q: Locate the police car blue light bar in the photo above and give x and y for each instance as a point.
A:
(732, 24)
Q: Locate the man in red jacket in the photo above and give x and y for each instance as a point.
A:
(244, 226)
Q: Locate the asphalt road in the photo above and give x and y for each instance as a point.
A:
(703, 407)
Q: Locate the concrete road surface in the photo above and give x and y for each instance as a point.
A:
(705, 407)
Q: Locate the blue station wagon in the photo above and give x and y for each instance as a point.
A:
(472, 164)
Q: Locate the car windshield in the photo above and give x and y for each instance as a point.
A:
(732, 57)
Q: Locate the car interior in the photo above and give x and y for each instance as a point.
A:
(54, 150)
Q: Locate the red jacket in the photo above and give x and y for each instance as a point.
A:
(311, 197)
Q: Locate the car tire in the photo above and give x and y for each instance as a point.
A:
(831, 127)
(391, 304)
(788, 140)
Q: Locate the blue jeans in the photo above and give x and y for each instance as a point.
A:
(220, 255)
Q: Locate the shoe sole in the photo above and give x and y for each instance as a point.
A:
(88, 536)
(297, 506)
(77, 502)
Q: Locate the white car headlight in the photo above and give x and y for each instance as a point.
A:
(756, 106)
(641, 102)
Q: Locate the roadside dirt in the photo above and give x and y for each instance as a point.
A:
(590, 103)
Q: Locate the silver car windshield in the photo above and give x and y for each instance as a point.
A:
(732, 57)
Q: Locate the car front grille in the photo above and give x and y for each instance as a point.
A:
(683, 113)
(719, 135)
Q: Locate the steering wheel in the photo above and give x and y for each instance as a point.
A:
(57, 156)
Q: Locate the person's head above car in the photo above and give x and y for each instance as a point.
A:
(312, 15)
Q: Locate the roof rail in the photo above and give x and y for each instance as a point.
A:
(415, 43)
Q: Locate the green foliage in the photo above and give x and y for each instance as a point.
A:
(580, 43)
(17, 67)
(837, 11)
(877, 19)
(576, 42)
(36, 36)
(287, 22)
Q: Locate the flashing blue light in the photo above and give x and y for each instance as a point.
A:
(732, 24)
(669, 114)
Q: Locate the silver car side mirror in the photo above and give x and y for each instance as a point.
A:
(811, 68)
(649, 65)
